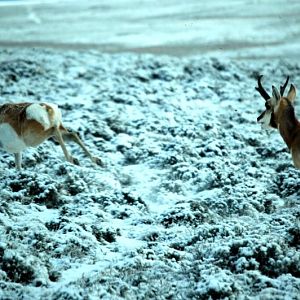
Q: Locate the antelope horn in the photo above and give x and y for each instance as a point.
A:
(261, 116)
(282, 87)
(260, 88)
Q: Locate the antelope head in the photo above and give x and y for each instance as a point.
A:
(280, 114)
(268, 117)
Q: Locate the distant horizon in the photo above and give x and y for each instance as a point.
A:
(235, 29)
(26, 2)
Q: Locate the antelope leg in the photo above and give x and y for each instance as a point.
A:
(18, 160)
(73, 136)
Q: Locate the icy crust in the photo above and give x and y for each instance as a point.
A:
(195, 200)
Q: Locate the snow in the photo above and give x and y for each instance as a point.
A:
(194, 199)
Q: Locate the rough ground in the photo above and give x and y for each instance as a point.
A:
(195, 200)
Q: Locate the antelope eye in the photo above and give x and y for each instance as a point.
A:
(268, 106)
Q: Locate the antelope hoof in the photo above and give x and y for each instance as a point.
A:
(97, 161)
(74, 161)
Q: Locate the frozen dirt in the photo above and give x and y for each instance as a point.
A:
(194, 201)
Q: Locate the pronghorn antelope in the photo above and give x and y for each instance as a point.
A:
(280, 114)
(24, 125)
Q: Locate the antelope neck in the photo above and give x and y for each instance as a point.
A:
(288, 125)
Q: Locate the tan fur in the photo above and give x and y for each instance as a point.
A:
(288, 125)
(295, 151)
(33, 133)
(14, 114)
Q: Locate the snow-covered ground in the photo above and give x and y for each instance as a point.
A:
(194, 201)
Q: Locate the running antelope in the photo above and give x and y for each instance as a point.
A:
(24, 125)
(280, 114)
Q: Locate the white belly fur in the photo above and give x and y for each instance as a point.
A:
(9, 139)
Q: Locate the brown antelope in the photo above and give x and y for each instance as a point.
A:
(24, 125)
(280, 114)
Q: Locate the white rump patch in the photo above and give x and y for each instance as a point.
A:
(39, 113)
(56, 121)
(9, 139)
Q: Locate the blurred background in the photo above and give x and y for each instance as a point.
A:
(239, 29)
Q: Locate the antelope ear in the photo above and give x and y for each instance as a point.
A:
(275, 93)
(292, 93)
